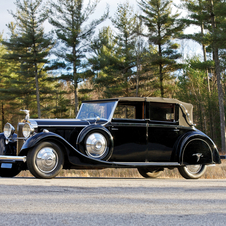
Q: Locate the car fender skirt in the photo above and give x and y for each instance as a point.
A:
(198, 148)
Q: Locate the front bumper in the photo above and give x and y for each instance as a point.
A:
(11, 159)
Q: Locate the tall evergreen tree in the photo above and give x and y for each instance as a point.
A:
(70, 19)
(29, 45)
(210, 15)
(125, 23)
(163, 26)
(114, 54)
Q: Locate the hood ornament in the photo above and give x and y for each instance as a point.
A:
(27, 112)
(198, 155)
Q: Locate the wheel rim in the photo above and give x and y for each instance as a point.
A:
(96, 145)
(47, 160)
(193, 169)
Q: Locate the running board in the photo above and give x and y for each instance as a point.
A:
(148, 164)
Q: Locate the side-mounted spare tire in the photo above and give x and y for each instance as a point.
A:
(96, 143)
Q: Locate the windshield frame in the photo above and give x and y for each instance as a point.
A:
(96, 102)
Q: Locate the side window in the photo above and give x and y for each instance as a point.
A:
(162, 112)
(125, 111)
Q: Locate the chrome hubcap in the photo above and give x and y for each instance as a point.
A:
(194, 168)
(96, 145)
(46, 160)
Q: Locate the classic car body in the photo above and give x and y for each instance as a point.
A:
(149, 134)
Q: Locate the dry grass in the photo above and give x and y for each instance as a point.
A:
(213, 172)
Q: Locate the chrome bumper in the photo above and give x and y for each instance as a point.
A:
(8, 158)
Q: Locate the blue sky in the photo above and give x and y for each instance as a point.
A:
(9, 5)
(190, 47)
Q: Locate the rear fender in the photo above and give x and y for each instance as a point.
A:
(197, 148)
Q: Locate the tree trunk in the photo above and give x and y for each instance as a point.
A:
(138, 76)
(160, 72)
(3, 118)
(37, 91)
(76, 98)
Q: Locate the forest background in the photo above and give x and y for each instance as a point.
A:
(141, 53)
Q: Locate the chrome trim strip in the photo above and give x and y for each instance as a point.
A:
(62, 125)
(148, 163)
(13, 158)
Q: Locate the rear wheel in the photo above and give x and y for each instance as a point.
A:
(45, 160)
(10, 172)
(192, 171)
(150, 173)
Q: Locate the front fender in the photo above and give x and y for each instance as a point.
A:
(194, 144)
(75, 157)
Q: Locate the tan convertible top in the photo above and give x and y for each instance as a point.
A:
(183, 106)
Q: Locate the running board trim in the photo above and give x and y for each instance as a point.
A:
(142, 164)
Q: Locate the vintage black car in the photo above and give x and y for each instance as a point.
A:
(149, 134)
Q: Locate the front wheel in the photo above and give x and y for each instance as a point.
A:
(150, 173)
(45, 160)
(192, 171)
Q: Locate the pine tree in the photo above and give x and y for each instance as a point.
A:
(211, 17)
(163, 26)
(28, 43)
(125, 24)
(114, 54)
(70, 19)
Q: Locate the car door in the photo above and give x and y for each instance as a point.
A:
(129, 133)
(163, 131)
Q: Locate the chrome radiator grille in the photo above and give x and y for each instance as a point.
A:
(19, 136)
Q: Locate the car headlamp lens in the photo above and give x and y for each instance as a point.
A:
(27, 130)
(8, 130)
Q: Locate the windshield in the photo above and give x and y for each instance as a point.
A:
(102, 110)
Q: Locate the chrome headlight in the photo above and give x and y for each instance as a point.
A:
(27, 130)
(8, 130)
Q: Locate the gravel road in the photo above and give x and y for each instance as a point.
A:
(112, 201)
